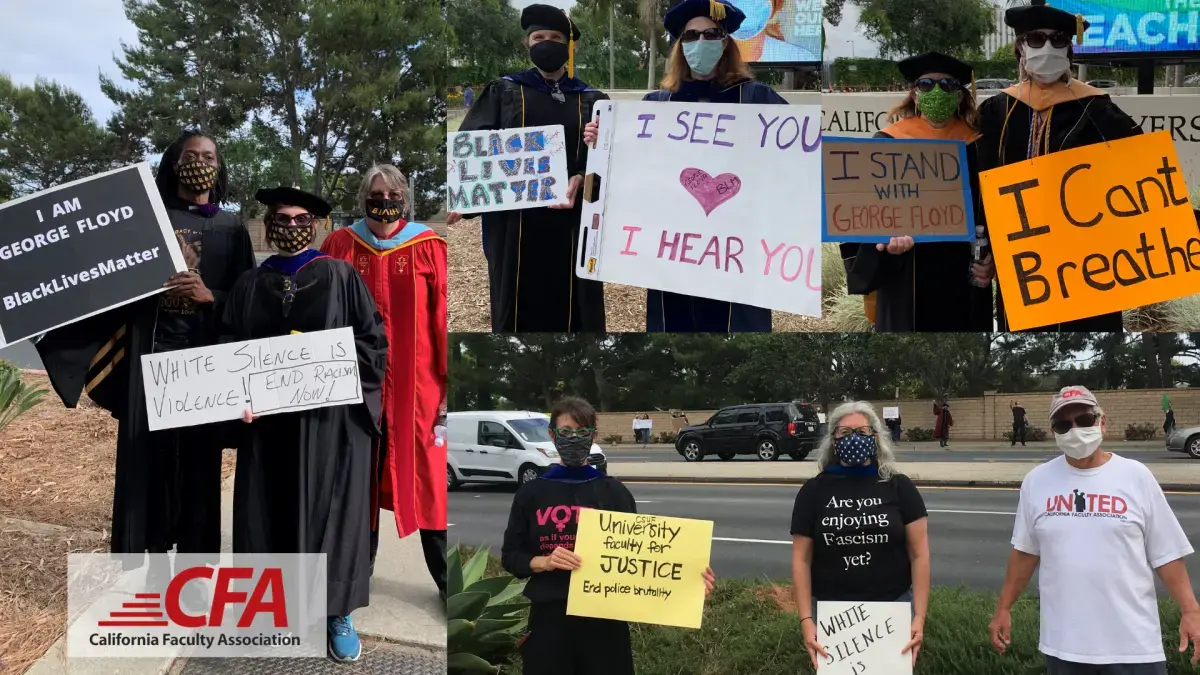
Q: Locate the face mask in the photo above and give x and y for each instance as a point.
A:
(290, 239)
(854, 450)
(385, 210)
(548, 56)
(703, 55)
(1047, 64)
(573, 451)
(197, 176)
(1080, 443)
(937, 105)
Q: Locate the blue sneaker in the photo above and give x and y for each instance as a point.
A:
(344, 644)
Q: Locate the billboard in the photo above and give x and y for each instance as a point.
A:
(1137, 26)
(780, 31)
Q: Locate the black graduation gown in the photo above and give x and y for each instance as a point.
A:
(303, 482)
(1005, 141)
(531, 253)
(678, 313)
(167, 489)
(926, 289)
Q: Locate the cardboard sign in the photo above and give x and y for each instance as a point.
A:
(1097, 229)
(640, 568)
(864, 638)
(272, 375)
(506, 170)
(891, 413)
(879, 188)
(82, 248)
(691, 198)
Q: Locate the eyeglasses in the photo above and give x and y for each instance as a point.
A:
(709, 34)
(948, 84)
(845, 432)
(565, 432)
(1058, 39)
(1083, 421)
(301, 219)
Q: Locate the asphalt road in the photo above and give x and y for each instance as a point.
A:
(969, 529)
(1152, 452)
(24, 354)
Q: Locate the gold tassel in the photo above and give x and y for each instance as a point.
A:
(570, 47)
(974, 95)
(716, 11)
(1078, 29)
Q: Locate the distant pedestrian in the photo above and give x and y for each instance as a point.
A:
(896, 428)
(468, 97)
(647, 430)
(1169, 423)
(942, 421)
(1020, 423)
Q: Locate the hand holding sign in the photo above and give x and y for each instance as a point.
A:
(866, 638)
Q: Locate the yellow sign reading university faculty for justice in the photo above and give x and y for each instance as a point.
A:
(1092, 230)
(641, 568)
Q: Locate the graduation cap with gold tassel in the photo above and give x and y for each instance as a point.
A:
(549, 17)
(724, 14)
(1038, 15)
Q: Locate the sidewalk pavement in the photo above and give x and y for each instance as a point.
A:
(405, 610)
(1154, 445)
(1184, 476)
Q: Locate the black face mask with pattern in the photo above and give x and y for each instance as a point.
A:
(198, 176)
(290, 239)
(385, 210)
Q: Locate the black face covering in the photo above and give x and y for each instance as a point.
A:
(548, 56)
(385, 210)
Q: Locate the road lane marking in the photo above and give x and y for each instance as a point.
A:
(751, 541)
(796, 486)
(976, 513)
(643, 501)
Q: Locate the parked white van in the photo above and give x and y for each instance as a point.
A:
(502, 446)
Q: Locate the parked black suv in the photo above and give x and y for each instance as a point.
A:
(764, 429)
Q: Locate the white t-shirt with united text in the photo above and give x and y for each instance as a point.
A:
(1100, 534)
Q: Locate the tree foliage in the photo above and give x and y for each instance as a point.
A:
(903, 27)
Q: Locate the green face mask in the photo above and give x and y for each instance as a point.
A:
(937, 105)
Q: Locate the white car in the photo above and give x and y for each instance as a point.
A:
(502, 446)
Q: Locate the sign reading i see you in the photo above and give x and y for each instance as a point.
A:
(1097, 229)
(506, 170)
(716, 201)
(864, 638)
(640, 568)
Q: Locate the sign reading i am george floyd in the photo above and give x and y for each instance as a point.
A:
(506, 170)
(82, 248)
(1098, 229)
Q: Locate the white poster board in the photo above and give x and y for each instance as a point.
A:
(891, 413)
(718, 201)
(864, 638)
(282, 374)
(506, 170)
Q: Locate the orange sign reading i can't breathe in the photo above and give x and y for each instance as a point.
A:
(1093, 230)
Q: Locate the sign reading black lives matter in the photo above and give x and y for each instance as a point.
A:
(82, 248)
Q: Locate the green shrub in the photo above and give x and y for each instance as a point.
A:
(16, 397)
(454, 100)
(613, 439)
(1141, 432)
(666, 437)
(485, 614)
(917, 434)
(1032, 433)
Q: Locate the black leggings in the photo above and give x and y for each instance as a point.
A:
(553, 646)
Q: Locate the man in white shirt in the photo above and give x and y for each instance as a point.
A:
(1099, 526)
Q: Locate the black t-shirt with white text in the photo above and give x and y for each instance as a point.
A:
(1018, 414)
(857, 523)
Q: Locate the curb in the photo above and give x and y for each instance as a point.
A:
(756, 480)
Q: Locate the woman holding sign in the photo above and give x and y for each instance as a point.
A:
(705, 66)
(859, 528)
(303, 481)
(933, 286)
(539, 545)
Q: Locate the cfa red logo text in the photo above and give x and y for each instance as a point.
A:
(266, 598)
(1072, 393)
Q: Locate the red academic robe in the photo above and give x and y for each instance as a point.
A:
(407, 277)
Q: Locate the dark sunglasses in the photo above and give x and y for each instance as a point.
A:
(301, 220)
(564, 432)
(1082, 421)
(948, 84)
(710, 34)
(1058, 39)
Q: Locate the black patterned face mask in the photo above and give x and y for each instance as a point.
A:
(290, 239)
(385, 210)
(198, 176)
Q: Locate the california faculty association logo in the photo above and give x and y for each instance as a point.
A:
(1080, 504)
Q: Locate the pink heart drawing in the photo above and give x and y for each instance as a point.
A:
(710, 192)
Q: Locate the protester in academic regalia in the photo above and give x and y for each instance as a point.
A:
(705, 66)
(942, 421)
(404, 265)
(303, 481)
(934, 286)
(168, 483)
(531, 252)
(1048, 111)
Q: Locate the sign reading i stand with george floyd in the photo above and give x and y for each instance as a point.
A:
(506, 170)
(1093, 230)
(82, 248)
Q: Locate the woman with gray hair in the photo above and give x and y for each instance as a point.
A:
(859, 528)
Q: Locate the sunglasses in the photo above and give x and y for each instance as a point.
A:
(845, 432)
(1082, 421)
(709, 34)
(301, 220)
(1058, 39)
(948, 84)
(564, 432)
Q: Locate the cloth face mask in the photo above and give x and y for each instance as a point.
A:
(855, 449)
(573, 450)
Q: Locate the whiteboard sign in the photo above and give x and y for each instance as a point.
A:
(718, 201)
(282, 374)
(891, 413)
(864, 638)
(506, 170)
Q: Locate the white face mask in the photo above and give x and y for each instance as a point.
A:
(1080, 442)
(1047, 64)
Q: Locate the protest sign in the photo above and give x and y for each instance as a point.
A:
(82, 248)
(506, 170)
(640, 568)
(1097, 229)
(707, 200)
(272, 375)
(864, 638)
(879, 188)
(891, 413)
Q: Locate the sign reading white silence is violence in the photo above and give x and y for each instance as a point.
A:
(82, 248)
